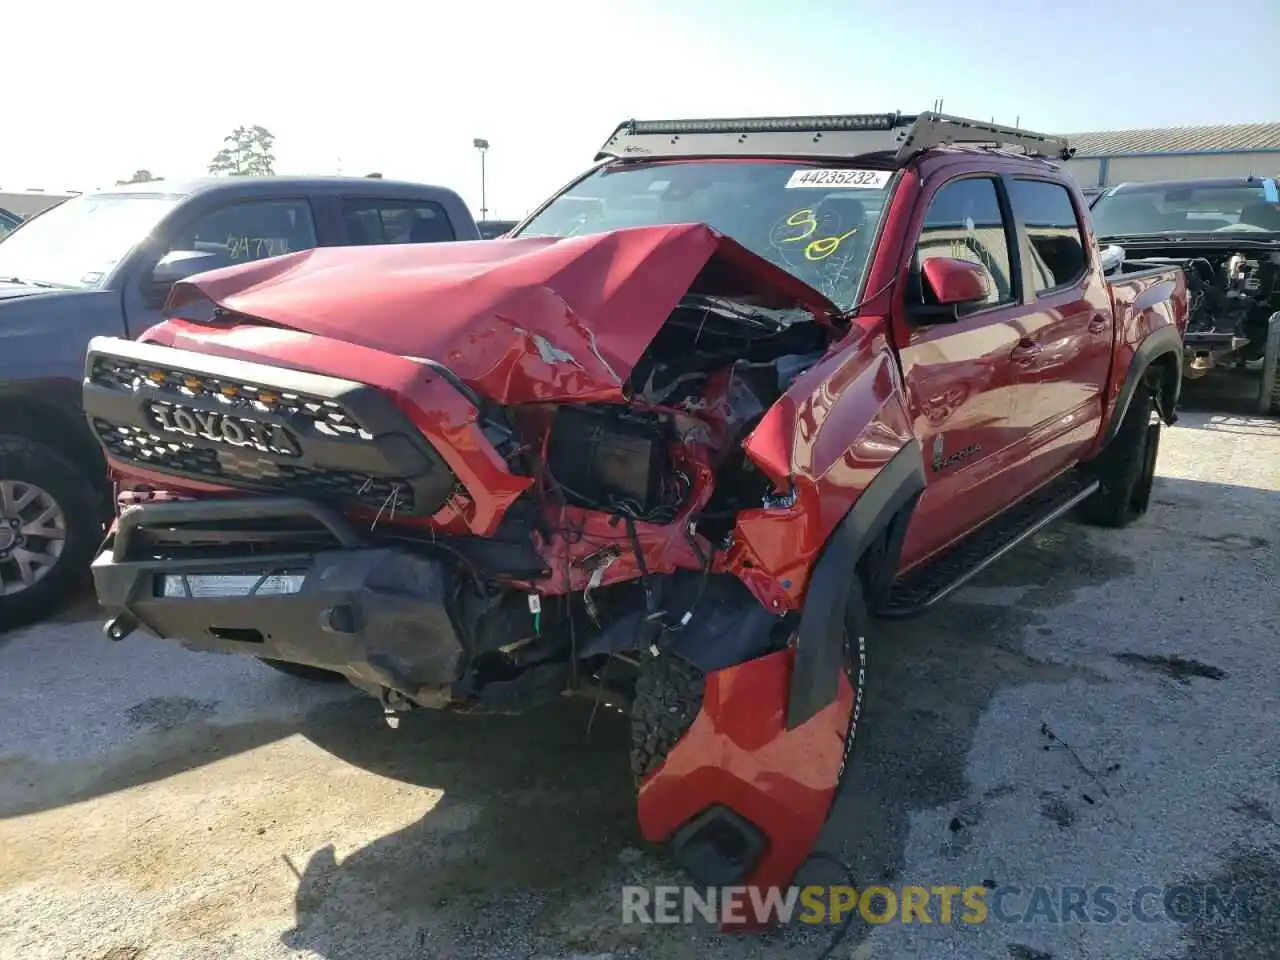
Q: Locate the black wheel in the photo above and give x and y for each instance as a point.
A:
(1126, 469)
(669, 692)
(304, 671)
(49, 528)
(1269, 386)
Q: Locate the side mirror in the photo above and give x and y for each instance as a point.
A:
(953, 283)
(180, 264)
(1112, 258)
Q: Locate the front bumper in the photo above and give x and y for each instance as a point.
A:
(307, 589)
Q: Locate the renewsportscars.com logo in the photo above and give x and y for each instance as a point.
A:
(940, 904)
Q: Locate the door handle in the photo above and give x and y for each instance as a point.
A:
(1026, 352)
(1100, 323)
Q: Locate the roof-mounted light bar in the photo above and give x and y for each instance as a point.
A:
(858, 121)
(894, 135)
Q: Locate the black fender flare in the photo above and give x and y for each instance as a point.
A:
(815, 673)
(1161, 341)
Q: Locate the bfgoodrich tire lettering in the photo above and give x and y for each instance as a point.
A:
(31, 592)
(856, 664)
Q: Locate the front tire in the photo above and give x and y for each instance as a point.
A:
(49, 529)
(667, 700)
(1126, 469)
(669, 689)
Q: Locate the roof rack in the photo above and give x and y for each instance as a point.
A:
(844, 137)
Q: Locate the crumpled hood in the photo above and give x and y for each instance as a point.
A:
(537, 319)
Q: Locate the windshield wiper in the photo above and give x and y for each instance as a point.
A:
(22, 281)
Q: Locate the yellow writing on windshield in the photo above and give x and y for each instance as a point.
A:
(801, 218)
(807, 221)
(825, 247)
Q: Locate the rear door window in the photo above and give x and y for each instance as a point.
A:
(373, 221)
(1056, 256)
(250, 230)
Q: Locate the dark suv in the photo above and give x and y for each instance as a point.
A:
(103, 264)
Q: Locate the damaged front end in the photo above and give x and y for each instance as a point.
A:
(583, 482)
(1232, 293)
(514, 471)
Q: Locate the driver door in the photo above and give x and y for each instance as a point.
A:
(961, 375)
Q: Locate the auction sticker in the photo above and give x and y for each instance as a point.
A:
(811, 177)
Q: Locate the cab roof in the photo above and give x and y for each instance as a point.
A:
(274, 185)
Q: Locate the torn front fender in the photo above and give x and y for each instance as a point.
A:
(740, 755)
(525, 320)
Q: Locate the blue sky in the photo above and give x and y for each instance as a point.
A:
(93, 92)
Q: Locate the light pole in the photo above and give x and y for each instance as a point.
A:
(482, 146)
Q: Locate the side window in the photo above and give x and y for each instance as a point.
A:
(1056, 255)
(395, 221)
(240, 232)
(964, 221)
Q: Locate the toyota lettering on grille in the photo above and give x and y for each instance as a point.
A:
(222, 428)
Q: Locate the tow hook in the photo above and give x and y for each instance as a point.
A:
(1201, 363)
(120, 626)
(394, 703)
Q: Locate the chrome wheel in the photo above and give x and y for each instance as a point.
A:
(33, 531)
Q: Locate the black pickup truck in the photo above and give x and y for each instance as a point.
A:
(103, 264)
(1225, 234)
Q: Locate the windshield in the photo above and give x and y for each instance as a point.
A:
(816, 224)
(1186, 208)
(76, 243)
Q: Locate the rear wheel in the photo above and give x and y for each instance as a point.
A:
(49, 528)
(1269, 388)
(1126, 469)
(304, 671)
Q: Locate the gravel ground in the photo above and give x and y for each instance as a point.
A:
(1099, 708)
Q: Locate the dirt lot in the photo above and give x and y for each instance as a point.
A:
(1099, 709)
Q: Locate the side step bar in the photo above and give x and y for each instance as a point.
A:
(917, 590)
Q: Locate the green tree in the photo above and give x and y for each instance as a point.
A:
(140, 176)
(247, 153)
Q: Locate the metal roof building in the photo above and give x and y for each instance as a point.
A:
(1107, 157)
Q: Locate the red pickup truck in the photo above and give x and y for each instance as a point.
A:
(723, 401)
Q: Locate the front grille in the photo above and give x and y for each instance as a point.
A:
(254, 426)
(325, 416)
(246, 468)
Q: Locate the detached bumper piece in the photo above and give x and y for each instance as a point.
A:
(285, 579)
